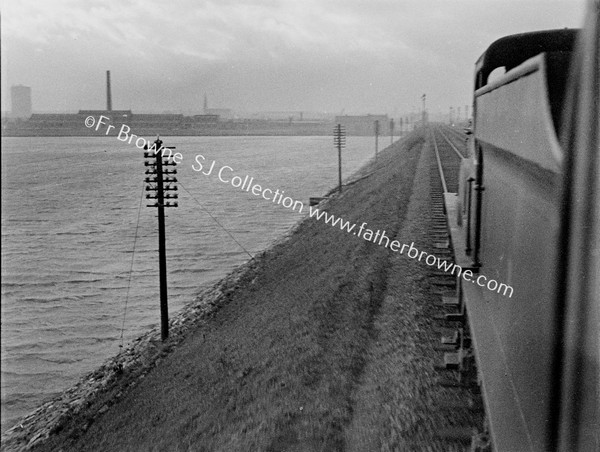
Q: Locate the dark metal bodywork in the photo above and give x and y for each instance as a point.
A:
(529, 205)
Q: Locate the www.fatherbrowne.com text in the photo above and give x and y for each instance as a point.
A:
(226, 175)
(380, 238)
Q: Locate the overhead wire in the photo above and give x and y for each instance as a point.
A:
(215, 220)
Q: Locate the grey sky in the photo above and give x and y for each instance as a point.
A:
(360, 56)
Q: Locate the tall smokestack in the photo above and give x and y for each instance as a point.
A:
(108, 95)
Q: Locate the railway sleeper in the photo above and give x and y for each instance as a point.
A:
(481, 442)
(444, 281)
(452, 338)
(450, 301)
(462, 361)
(441, 274)
(461, 435)
(459, 316)
(438, 235)
(439, 229)
(469, 404)
(458, 338)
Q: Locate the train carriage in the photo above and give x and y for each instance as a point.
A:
(528, 216)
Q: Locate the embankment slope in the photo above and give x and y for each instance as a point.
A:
(304, 352)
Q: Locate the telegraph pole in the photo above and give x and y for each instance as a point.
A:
(391, 131)
(339, 140)
(376, 137)
(157, 184)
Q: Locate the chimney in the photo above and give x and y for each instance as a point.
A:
(108, 95)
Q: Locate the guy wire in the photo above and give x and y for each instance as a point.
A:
(131, 266)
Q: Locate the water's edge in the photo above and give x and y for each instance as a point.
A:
(102, 387)
(139, 357)
(136, 360)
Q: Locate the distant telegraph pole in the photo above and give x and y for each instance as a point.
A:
(392, 131)
(339, 140)
(161, 181)
(376, 137)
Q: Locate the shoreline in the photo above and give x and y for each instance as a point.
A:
(183, 133)
(105, 385)
(137, 358)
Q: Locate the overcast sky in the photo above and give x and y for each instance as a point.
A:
(357, 56)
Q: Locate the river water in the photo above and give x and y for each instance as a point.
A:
(73, 228)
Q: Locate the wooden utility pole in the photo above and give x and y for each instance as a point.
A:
(339, 140)
(157, 184)
(376, 137)
(392, 131)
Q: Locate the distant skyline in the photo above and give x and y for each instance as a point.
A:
(351, 56)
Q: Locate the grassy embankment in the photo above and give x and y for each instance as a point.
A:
(320, 345)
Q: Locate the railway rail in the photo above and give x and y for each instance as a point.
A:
(523, 209)
(456, 133)
(449, 158)
(457, 365)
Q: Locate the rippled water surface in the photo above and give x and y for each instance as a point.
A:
(70, 209)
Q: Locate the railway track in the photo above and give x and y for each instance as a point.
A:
(456, 369)
(448, 157)
(455, 133)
